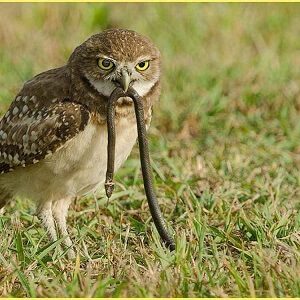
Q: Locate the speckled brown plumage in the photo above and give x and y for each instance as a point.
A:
(55, 105)
(53, 137)
(29, 133)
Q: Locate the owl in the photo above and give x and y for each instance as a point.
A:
(53, 138)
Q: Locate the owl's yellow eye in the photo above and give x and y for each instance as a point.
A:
(105, 64)
(142, 66)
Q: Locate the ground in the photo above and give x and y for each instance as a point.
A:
(225, 149)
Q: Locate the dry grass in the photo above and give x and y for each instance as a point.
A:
(225, 147)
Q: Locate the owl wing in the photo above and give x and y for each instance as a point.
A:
(32, 130)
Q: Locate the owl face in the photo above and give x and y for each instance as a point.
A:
(118, 57)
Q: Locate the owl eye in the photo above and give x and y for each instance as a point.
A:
(105, 64)
(142, 66)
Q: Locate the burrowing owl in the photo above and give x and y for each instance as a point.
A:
(53, 138)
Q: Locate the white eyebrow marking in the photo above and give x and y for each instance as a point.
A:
(107, 57)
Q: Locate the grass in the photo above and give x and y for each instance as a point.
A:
(225, 148)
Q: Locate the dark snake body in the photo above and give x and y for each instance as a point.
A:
(144, 157)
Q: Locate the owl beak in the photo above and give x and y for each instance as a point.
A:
(125, 80)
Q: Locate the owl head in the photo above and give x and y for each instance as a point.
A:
(117, 57)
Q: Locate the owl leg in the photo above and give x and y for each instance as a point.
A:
(2, 207)
(4, 198)
(3, 201)
(44, 213)
(60, 212)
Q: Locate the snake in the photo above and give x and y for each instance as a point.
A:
(155, 211)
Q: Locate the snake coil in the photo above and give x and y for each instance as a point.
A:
(144, 157)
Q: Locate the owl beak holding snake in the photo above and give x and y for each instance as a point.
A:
(125, 80)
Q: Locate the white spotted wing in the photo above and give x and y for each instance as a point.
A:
(31, 131)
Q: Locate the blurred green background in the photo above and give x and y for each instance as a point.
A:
(225, 148)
